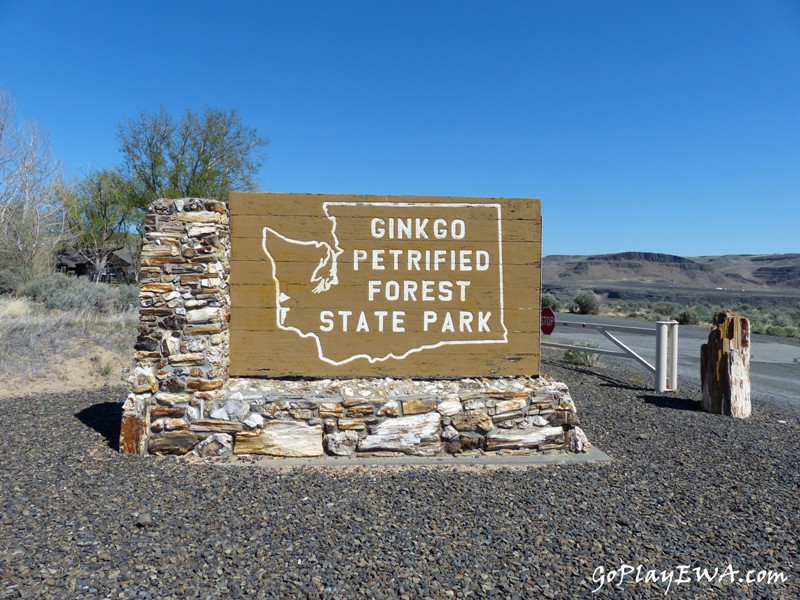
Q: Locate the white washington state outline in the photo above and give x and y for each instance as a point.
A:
(332, 253)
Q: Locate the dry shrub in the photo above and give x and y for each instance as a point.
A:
(583, 358)
(60, 292)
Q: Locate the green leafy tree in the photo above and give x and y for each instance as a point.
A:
(202, 155)
(205, 155)
(99, 213)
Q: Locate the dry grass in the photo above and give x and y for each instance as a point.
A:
(33, 338)
(12, 308)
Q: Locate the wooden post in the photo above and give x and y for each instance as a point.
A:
(725, 367)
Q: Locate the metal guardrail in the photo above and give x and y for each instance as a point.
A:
(666, 333)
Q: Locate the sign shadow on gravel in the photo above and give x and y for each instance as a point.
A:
(672, 402)
(608, 381)
(105, 419)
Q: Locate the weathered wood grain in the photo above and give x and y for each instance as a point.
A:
(725, 367)
(448, 286)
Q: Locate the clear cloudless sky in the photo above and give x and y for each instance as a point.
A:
(654, 126)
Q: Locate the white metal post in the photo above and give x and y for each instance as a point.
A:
(666, 364)
(662, 334)
(673, 355)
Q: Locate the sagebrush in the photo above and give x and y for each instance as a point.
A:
(783, 322)
(61, 292)
(583, 358)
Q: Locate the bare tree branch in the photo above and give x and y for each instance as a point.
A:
(32, 223)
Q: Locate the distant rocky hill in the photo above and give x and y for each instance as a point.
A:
(773, 270)
(649, 275)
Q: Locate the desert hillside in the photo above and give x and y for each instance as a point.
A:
(772, 270)
(771, 278)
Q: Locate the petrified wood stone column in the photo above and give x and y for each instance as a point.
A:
(182, 348)
(725, 367)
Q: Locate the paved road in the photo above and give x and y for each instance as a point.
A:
(774, 363)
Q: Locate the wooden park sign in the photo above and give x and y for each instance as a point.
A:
(328, 286)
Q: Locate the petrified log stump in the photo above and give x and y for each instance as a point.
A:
(725, 367)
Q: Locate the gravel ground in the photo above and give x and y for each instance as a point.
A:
(79, 520)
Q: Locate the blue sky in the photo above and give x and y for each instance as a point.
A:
(654, 126)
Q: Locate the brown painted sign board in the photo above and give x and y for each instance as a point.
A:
(400, 286)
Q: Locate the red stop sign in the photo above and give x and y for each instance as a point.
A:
(548, 320)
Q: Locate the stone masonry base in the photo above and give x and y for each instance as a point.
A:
(372, 417)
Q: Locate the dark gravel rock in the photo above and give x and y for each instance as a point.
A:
(144, 520)
(79, 520)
